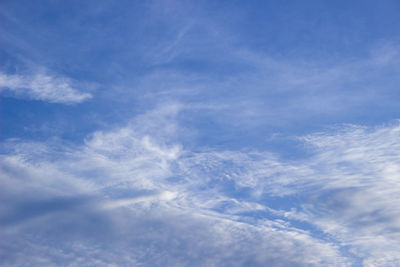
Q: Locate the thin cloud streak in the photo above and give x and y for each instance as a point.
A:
(42, 87)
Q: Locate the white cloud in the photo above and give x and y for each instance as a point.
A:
(156, 202)
(148, 197)
(271, 90)
(43, 87)
(356, 187)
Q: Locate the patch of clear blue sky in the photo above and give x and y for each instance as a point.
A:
(133, 50)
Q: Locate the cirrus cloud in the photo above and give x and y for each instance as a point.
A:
(42, 87)
(152, 198)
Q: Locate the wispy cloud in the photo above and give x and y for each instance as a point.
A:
(348, 188)
(268, 90)
(356, 174)
(117, 177)
(203, 145)
(42, 87)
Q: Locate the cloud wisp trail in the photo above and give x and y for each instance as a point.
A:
(219, 205)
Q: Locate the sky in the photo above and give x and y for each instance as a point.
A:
(199, 133)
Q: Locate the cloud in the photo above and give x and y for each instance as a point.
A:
(155, 201)
(198, 183)
(356, 174)
(255, 89)
(43, 87)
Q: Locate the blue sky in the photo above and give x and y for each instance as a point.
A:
(200, 133)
